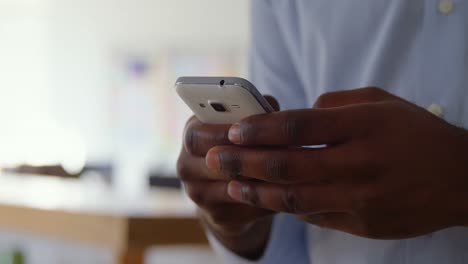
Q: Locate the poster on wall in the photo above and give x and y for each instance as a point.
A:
(149, 116)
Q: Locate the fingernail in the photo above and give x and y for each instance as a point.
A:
(235, 190)
(234, 134)
(212, 160)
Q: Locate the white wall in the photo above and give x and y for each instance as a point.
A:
(56, 56)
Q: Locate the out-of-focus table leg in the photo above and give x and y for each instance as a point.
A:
(132, 256)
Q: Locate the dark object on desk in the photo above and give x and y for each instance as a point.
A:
(103, 169)
(106, 170)
(53, 170)
(169, 181)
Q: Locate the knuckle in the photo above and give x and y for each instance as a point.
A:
(247, 130)
(374, 114)
(365, 201)
(321, 167)
(365, 157)
(196, 195)
(220, 218)
(183, 169)
(291, 127)
(273, 102)
(230, 163)
(291, 201)
(369, 172)
(374, 93)
(276, 168)
(376, 227)
(368, 229)
(369, 114)
(221, 138)
(190, 139)
(324, 99)
(250, 195)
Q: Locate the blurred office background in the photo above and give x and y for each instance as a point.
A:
(86, 93)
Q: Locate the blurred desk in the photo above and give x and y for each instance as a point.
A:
(92, 213)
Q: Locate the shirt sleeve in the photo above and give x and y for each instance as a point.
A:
(287, 244)
(272, 67)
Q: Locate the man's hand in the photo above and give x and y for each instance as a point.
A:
(390, 169)
(242, 228)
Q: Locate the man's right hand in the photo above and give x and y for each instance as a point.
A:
(241, 228)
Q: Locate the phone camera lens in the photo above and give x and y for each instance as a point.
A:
(221, 83)
(218, 107)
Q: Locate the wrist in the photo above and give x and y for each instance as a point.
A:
(246, 240)
(464, 161)
(463, 154)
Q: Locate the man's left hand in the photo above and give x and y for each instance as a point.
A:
(390, 169)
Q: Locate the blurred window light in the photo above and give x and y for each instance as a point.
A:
(66, 90)
(38, 141)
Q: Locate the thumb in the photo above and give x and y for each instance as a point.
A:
(273, 102)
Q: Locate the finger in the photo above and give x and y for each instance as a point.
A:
(295, 199)
(350, 97)
(273, 102)
(205, 193)
(233, 214)
(284, 165)
(193, 168)
(199, 137)
(302, 127)
(212, 197)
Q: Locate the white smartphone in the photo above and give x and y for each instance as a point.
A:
(221, 100)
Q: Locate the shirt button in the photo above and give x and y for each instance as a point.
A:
(436, 110)
(445, 6)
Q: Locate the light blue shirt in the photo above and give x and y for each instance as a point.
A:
(416, 49)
